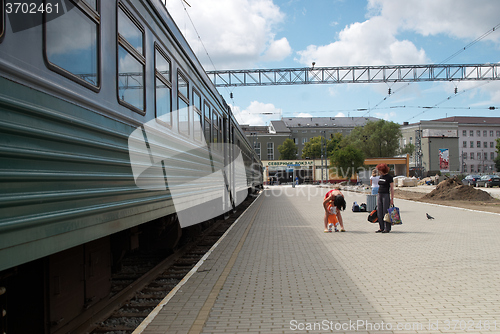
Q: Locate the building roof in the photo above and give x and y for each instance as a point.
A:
(470, 120)
(294, 122)
(280, 126)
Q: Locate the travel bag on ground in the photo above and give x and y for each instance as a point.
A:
(372, 217)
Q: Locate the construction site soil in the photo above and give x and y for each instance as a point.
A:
(452, 192)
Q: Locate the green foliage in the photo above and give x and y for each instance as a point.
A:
(408, 149)
(333, 144)
(376, 139)
(497, 159)
(347, 161)
(288, 150)
(312, 148)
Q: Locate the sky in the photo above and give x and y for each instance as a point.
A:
(266, 34)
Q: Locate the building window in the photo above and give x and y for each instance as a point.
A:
(304, 141)
(471, 144)
(491, 133)
(492, 155)
(257, 148)
(478, 155)
(478, 144)
(464, 144)
(464, 155)
(131, 60)
(295, 141)
(485, 144)
(270, 151)
(163, 88)
(478, 133)
(79, 61)
(492, 144)
(472, 155)
(471, 133)
(498, 133)
(464, 133)
(485, 133)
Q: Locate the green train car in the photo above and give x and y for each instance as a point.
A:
(96, 96)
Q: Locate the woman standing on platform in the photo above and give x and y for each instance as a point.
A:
(385, 197)
(374, 181)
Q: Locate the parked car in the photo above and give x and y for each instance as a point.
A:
(488, 181)
(471, 180)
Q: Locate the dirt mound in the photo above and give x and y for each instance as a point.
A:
(453, 189)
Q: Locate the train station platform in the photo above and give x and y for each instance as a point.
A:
(276, 271)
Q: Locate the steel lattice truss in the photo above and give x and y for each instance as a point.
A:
(354, 74)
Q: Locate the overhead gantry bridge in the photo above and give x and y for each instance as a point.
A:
(355, 74)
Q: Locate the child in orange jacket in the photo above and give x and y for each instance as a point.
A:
(333, 203)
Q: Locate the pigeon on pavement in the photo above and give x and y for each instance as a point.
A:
(429, 216)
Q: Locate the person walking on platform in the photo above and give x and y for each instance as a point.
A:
(333, 203)
(374, 181)
(385, 197)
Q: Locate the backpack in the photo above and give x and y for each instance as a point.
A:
(362, 207)
(355, 207)
(372, 217)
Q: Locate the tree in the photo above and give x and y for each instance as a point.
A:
(409, 148)
(288, 150)
(312, 148)
(347, 161)
(497, 159)
(376, 139)
(333, 144)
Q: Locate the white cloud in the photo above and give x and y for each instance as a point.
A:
(304, 114)
(278, 50)
(371, 42)
(455, 18)
(375, 41)
(236, 33)
(386, 116)
(257, 113)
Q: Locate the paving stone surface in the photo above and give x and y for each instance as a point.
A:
(276, 271)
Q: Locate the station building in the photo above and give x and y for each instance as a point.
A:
(266, 140)
(454, 144)
(458, 144)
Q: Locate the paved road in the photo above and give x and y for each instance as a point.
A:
(277, 272)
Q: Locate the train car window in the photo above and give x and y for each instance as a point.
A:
(2, 20)
(208, 125)
(71, 44)
(183, 103)
(92, 4)
(163, 90)
(221, 128)
(198, 121)
(131, 61)
(215, 128)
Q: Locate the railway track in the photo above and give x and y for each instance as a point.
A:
(145, 280)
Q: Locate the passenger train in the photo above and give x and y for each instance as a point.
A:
(109, 129)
